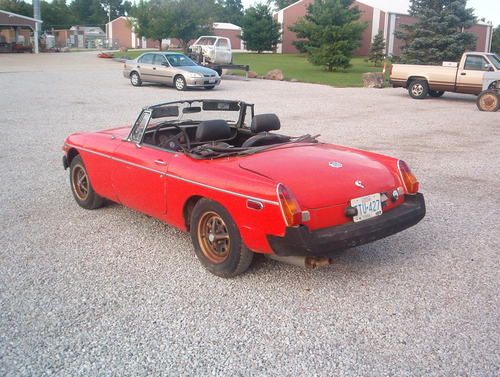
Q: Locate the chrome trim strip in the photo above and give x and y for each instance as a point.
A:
(175, 176)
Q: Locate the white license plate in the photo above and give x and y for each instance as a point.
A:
(368, 206)
(211, 80)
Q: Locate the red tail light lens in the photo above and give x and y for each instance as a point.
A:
(290, 207)
(409, 179)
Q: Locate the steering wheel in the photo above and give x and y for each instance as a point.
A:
(174, 138)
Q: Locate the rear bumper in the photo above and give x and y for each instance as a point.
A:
(300, 241)
(398, 83)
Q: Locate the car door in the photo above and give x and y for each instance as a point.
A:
(223, 51)
(470, 78)
(162, 69)
(139, 172)
(145, 67)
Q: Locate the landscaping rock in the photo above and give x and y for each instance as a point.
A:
(65, 49)
(275, 74)
(252, 75)
(294, 80)
(373, 80)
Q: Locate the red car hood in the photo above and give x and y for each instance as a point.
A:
(323, 175)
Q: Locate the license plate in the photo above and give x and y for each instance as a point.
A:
(368, 206)
(211, 80)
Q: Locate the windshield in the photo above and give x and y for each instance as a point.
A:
(206, 41)
(495, 60)
(179, 60)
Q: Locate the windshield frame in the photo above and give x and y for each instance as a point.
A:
(495, 60)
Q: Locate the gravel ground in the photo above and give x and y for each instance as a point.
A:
(114, 292)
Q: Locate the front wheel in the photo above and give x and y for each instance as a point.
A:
(81, 187)
(180, 83)
(135, 79)
(217, 241)
(418, 89)
(489, 100)
(435, 93)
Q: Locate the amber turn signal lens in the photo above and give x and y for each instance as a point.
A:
(409, 179)
(289, 206)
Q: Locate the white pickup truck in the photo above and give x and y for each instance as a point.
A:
(464, 77)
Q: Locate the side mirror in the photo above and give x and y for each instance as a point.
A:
(165, 64)
(489, 68)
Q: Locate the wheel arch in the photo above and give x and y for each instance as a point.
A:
(416, 77)
(72, 153)
(187, 209)
(133, 71)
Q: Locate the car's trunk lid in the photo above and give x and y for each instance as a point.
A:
(322, 175)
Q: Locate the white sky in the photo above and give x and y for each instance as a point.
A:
(489, 9)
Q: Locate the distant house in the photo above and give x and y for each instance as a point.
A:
(122, 35)
(16, 32)
(377, 19)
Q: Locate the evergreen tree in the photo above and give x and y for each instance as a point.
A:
(438, 35)
(495, 43)
(261, 32)
(377, 49)
(330, 33)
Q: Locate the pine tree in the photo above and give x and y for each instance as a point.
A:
(439, 33)
(261, 32)
(330, 33)
(377, 49)
(495, 43)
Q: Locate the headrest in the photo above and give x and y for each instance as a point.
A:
(265, 122)
(213, 130)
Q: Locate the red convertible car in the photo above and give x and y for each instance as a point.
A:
(217, 170)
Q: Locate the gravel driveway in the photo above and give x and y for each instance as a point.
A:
(114, 292)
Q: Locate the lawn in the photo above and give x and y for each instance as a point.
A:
(296, 66)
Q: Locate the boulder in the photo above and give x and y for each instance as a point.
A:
(275, 74)
(373, 80)
(252, 75)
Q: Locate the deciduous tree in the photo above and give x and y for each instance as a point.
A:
(330, 32)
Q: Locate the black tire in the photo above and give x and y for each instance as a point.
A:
(86, 198)
(135, 79)
(488, 100)
(227, 258)
(418, 89)
(435, 93)
(209, 87)
(180, 83)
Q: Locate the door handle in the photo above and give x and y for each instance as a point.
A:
(154, 68)
(138, 66)
(160, 162)
(464, 74)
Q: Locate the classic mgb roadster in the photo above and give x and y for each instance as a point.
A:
(217, 170)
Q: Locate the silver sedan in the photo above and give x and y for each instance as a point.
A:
(169, 68)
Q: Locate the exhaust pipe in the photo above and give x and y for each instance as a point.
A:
(307, 262)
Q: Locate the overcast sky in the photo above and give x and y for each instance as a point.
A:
(489, 9)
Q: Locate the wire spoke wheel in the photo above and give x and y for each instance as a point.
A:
(80, 182)
(213, 237)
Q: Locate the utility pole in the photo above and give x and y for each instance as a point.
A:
(37, 14)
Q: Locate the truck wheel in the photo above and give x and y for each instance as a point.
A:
(217, 241)
(418, 89)
(435, 94)
(488, 100)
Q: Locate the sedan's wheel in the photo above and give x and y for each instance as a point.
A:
(418, 89)
(489, 100)
(180, 83)
(435, 94)
(81, 187)
(217, 241)
(135, 79)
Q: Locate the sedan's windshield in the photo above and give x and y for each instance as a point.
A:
(179, 60)
(495, 60)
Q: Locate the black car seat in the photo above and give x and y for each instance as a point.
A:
(212, 132)
(261, 125)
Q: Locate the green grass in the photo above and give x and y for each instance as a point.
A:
(296, 66)
(131, 54)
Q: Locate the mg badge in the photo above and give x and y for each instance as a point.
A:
(359, 184)
(335, 164)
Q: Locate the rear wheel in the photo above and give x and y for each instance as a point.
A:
(435, 93)
(135, 79)
(217, 241)
(418, 89)
(489, 100)
(180, 83)
(81, 187)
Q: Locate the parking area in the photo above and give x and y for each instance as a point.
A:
(114, 292)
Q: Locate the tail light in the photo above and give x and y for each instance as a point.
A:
(390, 70)
(290, 207)
(409, 179)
